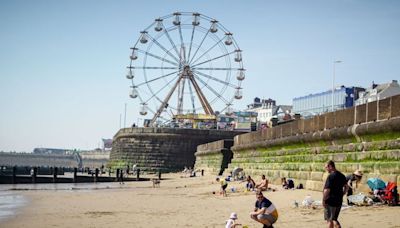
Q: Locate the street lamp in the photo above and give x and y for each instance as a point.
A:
(125, 117)
(333, 79)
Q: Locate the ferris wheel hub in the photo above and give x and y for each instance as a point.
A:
(186, 71)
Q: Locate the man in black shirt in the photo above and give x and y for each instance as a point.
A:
(334, 189)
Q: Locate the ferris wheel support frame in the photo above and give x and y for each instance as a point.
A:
(186, 73)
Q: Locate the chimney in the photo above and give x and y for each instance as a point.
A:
(374, 85)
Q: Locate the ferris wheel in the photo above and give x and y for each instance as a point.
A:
(185, 63)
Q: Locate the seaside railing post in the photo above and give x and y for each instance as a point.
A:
(55, 174)
(75, 174)
(96, 175)
(14, 174)
(34, 175)
(121, 176)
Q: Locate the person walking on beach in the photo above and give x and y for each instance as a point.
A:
(356, 176)
(263, 185)
(265, 211)
(224, 185)
(334, 189)
(121, 177)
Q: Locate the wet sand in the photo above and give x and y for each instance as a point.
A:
(179, 202)
(10, 203)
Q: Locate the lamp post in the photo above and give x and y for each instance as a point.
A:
(125, 117)
(333, 79)
(120, 117)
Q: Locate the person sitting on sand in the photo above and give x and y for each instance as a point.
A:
(284, 183)
(224, 185)
(263, 185)
(287, 184)
(265, 211)
(231, 222)
(250, 185)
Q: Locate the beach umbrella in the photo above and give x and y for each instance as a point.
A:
(235, 172)
(376, 183)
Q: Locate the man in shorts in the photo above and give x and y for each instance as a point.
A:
(265, 211)
(334, 189)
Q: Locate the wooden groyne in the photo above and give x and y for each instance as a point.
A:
(37, 175)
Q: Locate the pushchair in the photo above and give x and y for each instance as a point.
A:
(391, 196)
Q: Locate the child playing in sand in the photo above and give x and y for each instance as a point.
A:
(224, 185)
(231, 222)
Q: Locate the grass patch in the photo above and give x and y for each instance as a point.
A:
(380, 136)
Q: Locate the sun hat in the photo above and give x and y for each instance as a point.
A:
(233, 215)
(358, 173)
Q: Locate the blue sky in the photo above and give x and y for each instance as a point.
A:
(63, 63)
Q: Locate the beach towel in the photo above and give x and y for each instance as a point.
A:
(360, 199)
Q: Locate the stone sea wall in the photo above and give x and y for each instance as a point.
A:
(214, 157)
(365, 137)
(94, 159)
(40, 160)
(165, 149)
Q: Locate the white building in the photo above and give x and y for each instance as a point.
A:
(379, 92)
(267, 109)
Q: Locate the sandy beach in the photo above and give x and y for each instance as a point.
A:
(179, 202)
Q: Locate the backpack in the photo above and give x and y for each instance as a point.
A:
(300, 186)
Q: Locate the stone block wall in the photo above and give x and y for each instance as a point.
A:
(364, 137)
(372, 147)
(165, 149)
(94, 159)
(40, 160)
(214, 157)
(371, 112)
